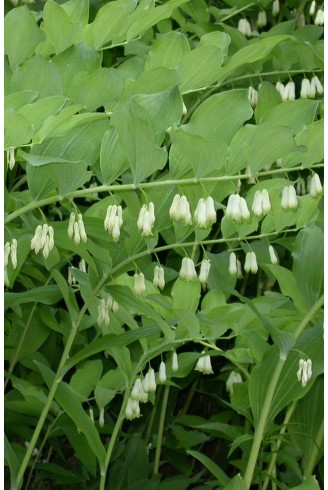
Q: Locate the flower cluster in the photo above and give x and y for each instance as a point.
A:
(287, 91)
(251, 263)
(114, 221)
(289, 198)
(304, 372)
(103, 310)
(139, 286)
(76, 228)
(237, 209)
(43, 239)
(146, 219)
(139, 393)
(11, 158)
(310, 89)
(234, 378)
(159, 280)
(204, 365)
(245, 28)
(205, 214)
(261, 204)
(253, 96)
(180, 210)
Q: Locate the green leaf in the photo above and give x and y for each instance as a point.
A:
(77, 11)
(58, 26)
(36, 113)
(110, 340)
(40, 75)
(69, 401)
(268, 99)
(13, 462)
(310, 483)
(113, 161)
(199, 68)
(259, 146)
(289, 286)
(308, 266)
(18, 130)
(17, 100)
(20, 42)
(68, 295)
(136, 134)
(186, 294)
(293, 113)
(100, 88)
(214, 118)
(204, 155)
(40, 160)
(85, 378)
(47, 295)
(250, 54)
(168, 51)
(216, 471)
(219, 39)
(237, 483)
(313, 138)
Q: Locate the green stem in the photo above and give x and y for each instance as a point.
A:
(111, 445)
(161, 430)
(259, 431)
(315, 451)
(55, 384)
(237, 12)
(132, 187)
(315, 308)
(191, 244)
(152, 416)
(283, 429)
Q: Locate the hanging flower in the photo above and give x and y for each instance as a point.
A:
(180, 210)
(244, 27)
(289, 198)
(204, 271)
(204, 365)
(146, 219)
(233, 264)
(237, 209)
(159, 280)
(262, 19)
(273, 256)
(139, 287)
(175, 365)
(234, 378)
(251, 263)
(275, 8)
(253, 96)
(304, 372)
(187, 271)
(11, 158)
(319, 18)
(113, 221)
(316, 86)
(312, 7)
(162, 372)
(315, 185)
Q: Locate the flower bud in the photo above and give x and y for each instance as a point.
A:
(275, 8)
(175, 365)
(257, 204)
(312, 8)
(162, 372)
(315, 185)
(233, 264)
(70, 229)
(200, 214)
(239, 270)
(273, 256)
(204, 271)
(253, 96)
(51, 238)
(262, 19)
(77, 237)
(102, 417)
(174, 209)
(11, 158)
(83, 234)
(82, 266)
(292, 198)
(7, 253)
(13, 253)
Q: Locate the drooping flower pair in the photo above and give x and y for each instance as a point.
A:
(114, 221)
(43, 239)
(76, 228)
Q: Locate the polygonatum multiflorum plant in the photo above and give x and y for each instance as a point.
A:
(163, 244)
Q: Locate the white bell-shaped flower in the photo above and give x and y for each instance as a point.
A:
(262, 19)
(316, 86)
(315, 185)
(234, 378)
(312, 7)
(175, 364)
(233, 264)
(13, 253)
(162, 372)
(275, 8)
(139, 285)
(273, 256)
(159, 280)
(187, 271)
(204, 271)
(319, 18)
(253, 96)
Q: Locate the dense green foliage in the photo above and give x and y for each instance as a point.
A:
(112, 107)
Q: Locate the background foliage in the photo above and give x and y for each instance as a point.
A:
(125, 102)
